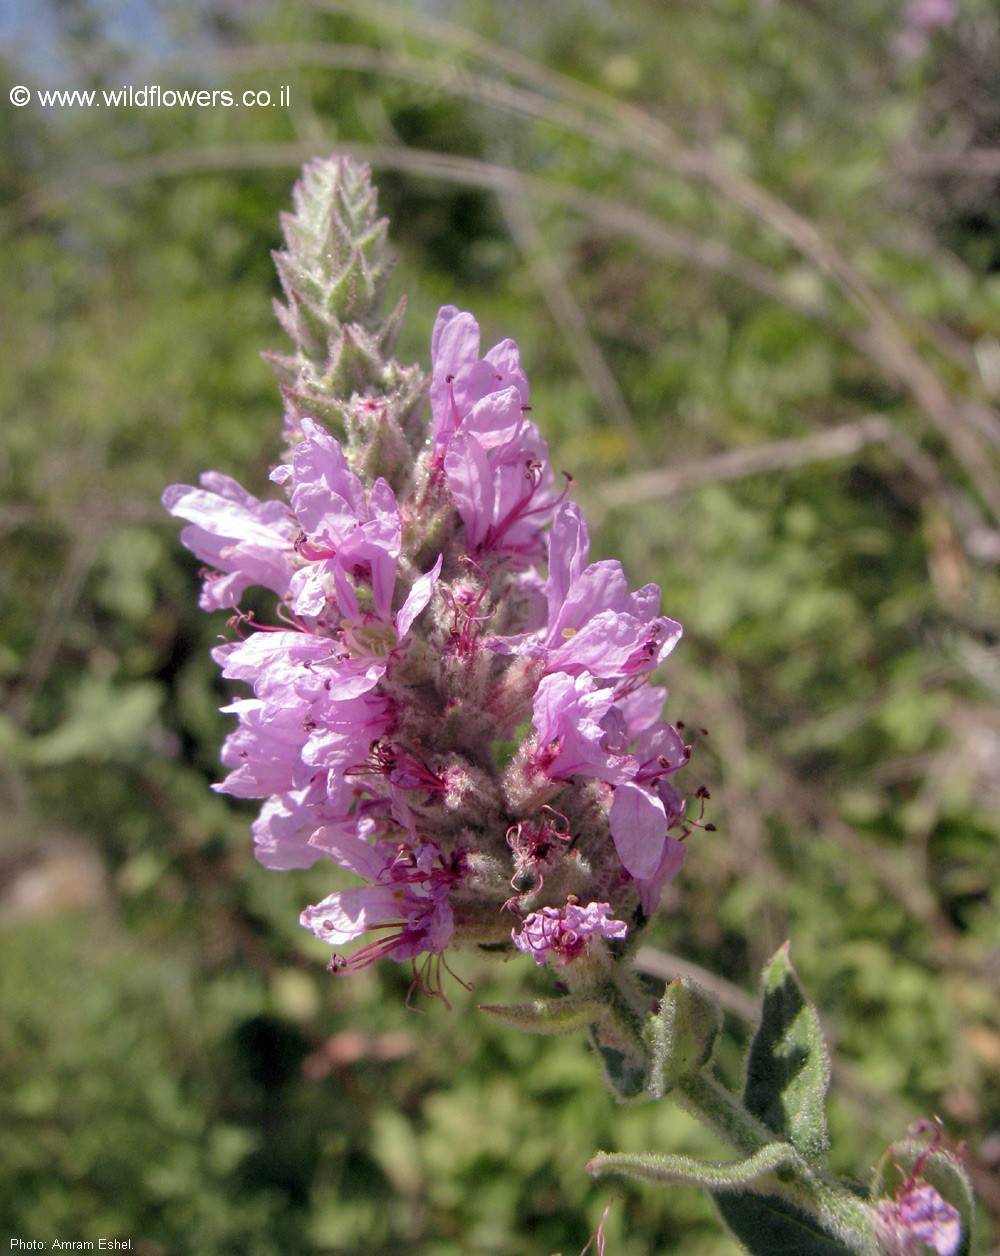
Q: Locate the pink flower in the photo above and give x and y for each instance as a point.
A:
(594, 623)
(245, 540)
(405, 899)
(494, 458)
(931, 14)
(314, 715)
(646, 807)
(574, 719)
(581, 731)
(265, 751)
(460, 380)
(505, 495)
(921, 18)
(563, 934)
(918, 1221)
(672, 855)
(344, 531)
(287, 823)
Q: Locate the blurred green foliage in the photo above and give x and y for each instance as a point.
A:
(177, 1065)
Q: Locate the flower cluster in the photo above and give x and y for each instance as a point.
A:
(918, 1220)
(561, 934)
(461, 728)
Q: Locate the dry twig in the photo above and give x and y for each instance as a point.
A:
(566, 311)
(587, 111)
(981, 542)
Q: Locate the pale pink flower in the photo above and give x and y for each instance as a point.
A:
(563, 934)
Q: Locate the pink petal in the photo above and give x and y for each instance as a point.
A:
(638, 826)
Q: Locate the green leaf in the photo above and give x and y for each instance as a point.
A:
(625, 1066)
(618, 1035)
(788, 1066)
(354, 363)
(686, 1171)
(768, 1226)
(548, 1016)
(104, 722)
(684, 1032)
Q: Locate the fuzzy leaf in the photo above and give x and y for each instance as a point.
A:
(684, 1032)
(625, 1064)
(686, 1171)
(619, 1035)
(548, 1016)
(768, 1226)
(354, 362)
(625, 1067)
(788, 1066)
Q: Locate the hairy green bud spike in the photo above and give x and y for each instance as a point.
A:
(388, 334)
(334, 271)
(336, 264)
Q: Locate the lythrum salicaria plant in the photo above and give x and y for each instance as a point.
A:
(455, 705)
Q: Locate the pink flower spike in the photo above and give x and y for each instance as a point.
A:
(432, 594)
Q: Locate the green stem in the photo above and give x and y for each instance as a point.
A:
(707, 1100)
(840, 1212)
